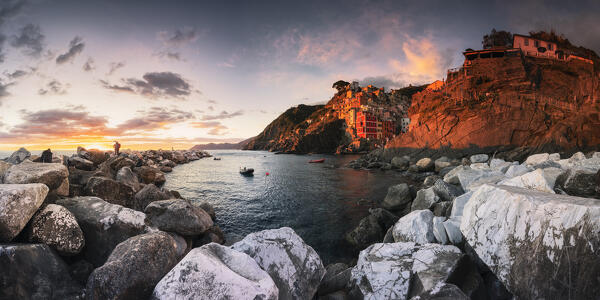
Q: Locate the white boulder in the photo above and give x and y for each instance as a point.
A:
(459, 205)
(537, 159)
(18, 203)
(417, 227)
(516, 170)
(479, 158)
(439, 231)
(534, 180)
(54, 175)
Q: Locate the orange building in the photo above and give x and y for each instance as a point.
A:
(366, 125)
(535, 47)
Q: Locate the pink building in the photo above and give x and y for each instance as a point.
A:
(535, 47)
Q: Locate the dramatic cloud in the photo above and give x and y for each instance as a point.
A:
(155, 118)
(54, 87)
(89, 65)
(179, 37)
(223, 115)
(113, 66)
(154, 85)
(8, 9)
(216, 128)
(75, 47)
(60, 123)
(30, 39)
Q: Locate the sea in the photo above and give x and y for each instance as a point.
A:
(320, 201)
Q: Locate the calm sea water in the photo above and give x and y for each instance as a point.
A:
(321, 202)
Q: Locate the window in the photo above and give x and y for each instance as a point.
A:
(537, 44)
(549, 46)
(526, 42)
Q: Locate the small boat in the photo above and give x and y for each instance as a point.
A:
(316, 161)
(247, 171)
(217, 158)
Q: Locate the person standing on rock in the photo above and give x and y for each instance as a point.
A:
(117, 146)
(46, 156)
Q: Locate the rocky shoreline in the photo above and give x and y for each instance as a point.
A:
(100, 226)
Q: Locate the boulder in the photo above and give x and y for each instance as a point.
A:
(127, 177)
(402, 270)
(516, 170)
(134, 267)
(94, 155)
(479, 166)
(18, 203)
(372, 228)
(430, 180)
(537, 159)
(499, 165)
(167, 163)
(453, 232)
(442, 209)
(579, 182)
(216, 272)
(149, 175)
(425, 164)
(534, 180)
(149, 194)
(446, 191)
(442, 291)
(452, 176)
(177, 215)
(400, 162)
(104, 225)
(398, 197)
(4, 166)
(294, 266)
(336, 278)
(166, 169)
(51, 174)
(425, 199)
(81, 163)
(479, 158)
(442, 162)
(56, 227)
(208, 208)
(34, 271)
(459, 205)
(417, 227)
(110, 191)
(549, 239)
(439, 231)
(18, 156)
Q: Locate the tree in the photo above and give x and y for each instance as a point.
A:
(340, 85)
(497, 39)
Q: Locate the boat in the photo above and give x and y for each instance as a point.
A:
(217, 158)
(247, 171)
(316, 161)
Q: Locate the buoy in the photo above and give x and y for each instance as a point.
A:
(267, 174)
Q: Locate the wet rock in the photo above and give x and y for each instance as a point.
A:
(534, 180)
(127, 177)
(110, 191)
(233, 275)
(425, 199)
(51, 174)
(104, 225)
(34, 271)
(149, 175)
(18, 156)
(56, 227)
(425, 164)
(149, 194)
(446, 191)
(18, 203)
(415, 227)
(579, 182)
(479, 158)
(547, 238)
(81, 163)
(294, 266)
(134, 267)
(398, 197)
(177, 215)
(372, 228)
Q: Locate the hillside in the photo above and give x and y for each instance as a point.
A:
(221, 146)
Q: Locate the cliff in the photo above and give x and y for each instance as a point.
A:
(511, 100)
(222, 146)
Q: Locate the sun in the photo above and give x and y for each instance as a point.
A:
(97, 147)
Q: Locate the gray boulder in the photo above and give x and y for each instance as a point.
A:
(34, 271)
(371, 228)
(517, 170)
(415, 227)
(425, 199)
(400, 162)
(479, 158)
(56, 227)
(4, 166)
(442, 291)
(110, 191)
(398, 197)
(149, 175)
(55, 176)
(336, 279)
(18, 203)
(439, 231)
(549, 238)
(104, 225)
(216, 272)
(81, 163)
(446, 191)
(294, 266)
(127, 177)
(18, 156)
(134, 267)
(425, 164)
(149, 194)
(177, 215)
(441, 163)
(579, 182)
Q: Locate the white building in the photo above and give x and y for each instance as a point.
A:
(404, 122)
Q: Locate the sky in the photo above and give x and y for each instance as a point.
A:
(162, 74)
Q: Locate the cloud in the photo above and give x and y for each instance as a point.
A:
(18, 74)
(4, 90)
(30, 39)
(75, 47)
(223, 115)
(423, 58)
(171, 55)
(54, 87)
(60, 123)
(179, 36)
(155, 118)
(115, 66)
(216, 128)
(89, 65)
(154, 85)
(8, 9)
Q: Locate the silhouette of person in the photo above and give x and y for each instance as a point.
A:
(117, 147)
(47, 156)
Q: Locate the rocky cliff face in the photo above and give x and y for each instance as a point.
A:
(518, 101)
(302, 129)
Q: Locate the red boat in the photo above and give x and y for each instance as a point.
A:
(317, 161)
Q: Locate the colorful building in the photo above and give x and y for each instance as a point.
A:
(366, 125)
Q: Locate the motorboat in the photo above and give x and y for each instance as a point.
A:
(316, 161)
(217, 158)
(247, 171)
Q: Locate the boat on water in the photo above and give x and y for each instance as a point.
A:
(217, 158)
(247, 171)
(316, 161)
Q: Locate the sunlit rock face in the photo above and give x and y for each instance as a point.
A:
(535, 242)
